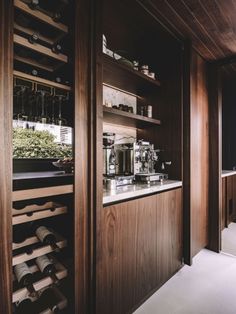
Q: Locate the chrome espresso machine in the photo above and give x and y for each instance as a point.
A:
(129, 163)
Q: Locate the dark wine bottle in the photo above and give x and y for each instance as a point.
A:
(33, 38)
(56, 48)
(47, 236)
(25, 278)
(33, 4)
(26, 305)
(49, 300)
(47, 267)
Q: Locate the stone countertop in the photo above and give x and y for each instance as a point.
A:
(227, 173)
(137, 190)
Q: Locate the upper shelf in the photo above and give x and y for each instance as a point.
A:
(125, 78)
(117, 116)
(40, 16)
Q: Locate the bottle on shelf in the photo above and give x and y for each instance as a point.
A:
(26, 305)
(56, 48)
(47, 236)
(33, 38)
(47, 267)
(25, 278)
(49, 300)
(33, 4)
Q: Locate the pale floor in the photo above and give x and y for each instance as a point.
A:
(207, 287)
(229, 239)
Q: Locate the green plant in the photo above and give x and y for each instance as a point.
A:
(38, 144)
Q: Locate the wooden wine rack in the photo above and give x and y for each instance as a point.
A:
(40, 16)
(43, 283)
(52, 212)
(24, 257)
(19, 40)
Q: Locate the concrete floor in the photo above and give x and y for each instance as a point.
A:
(207, 287)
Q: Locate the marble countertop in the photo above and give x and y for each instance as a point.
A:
(137, 190)
(227, 173)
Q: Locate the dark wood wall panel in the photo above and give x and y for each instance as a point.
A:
(199, 154)
(6, 83)
(215, 156)
(141, 248)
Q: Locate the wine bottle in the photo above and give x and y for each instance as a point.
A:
(25, 278)
(56, 48)
(33, 4)
(47, 267)
(47, 237)
(26, 305)
(49, 300)
(33, 38)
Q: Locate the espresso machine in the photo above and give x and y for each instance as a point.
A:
(145, 161)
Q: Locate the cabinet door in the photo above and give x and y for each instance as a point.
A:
(139, 246)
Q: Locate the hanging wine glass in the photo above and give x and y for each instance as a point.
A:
(43, 118)
(60, 121)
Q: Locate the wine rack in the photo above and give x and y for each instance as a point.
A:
(43, 76)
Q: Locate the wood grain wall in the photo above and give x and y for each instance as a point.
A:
(6, 83)
(196, 154)
(199, 155)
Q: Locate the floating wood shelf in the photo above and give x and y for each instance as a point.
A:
(120, 117)
(44, 18)
(43, 283)
(40, 80)
(21, 41)
(47, 213)
(126, 78)
(24, 257)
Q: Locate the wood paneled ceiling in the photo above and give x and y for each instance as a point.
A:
(209, 24)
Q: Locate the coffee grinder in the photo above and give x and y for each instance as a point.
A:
(109, 155)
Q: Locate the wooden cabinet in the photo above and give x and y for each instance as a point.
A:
(139, 247)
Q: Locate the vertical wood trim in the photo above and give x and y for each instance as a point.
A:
(6, 84)
(83, 187)
(186, 155)
(215, 158)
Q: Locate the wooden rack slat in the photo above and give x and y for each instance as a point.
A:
(29, 32)
(28, 241)
(19, 40)
(34, 208)
(40, 16)
(47, 213)
(42, 192)
(40, 80)
(33, 63)
(24, 257)
(43, 283)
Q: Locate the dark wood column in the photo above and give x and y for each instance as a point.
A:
(215, 156)
(6, 83)
(84, 155)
